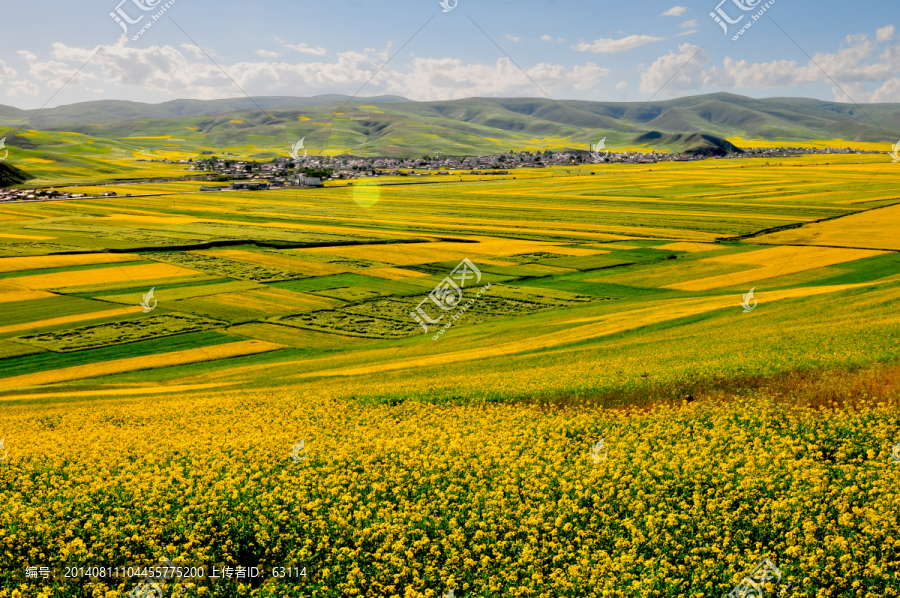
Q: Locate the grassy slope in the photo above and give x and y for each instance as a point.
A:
(102, 140)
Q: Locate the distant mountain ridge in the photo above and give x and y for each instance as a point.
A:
(395, 126)
(106, 111)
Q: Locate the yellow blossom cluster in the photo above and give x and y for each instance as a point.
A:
(413, 500)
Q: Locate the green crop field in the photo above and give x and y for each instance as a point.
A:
(627, 255)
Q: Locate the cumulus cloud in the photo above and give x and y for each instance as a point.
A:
(176, 71)
(612, 46)
(851, 66)
(885, 34)
(689, 24)
(852, 93)
(61, 51)
(621, 85)
(887, 93)
(21, 88)
(675, 11)
(549, 38)
(56, 73)
(6, 71)
(512, 38)
(691, 73)
(450, 78)
(865, 67)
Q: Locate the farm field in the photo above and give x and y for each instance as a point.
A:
(447, 435)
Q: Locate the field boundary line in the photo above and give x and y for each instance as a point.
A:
(777, 229)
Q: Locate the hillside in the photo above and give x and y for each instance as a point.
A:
(108, 111)
(10, 175)
(392, 126)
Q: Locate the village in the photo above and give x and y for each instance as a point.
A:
(312, 171)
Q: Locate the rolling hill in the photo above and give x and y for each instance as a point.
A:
(392, 126)
(10, 175)
(108, 111)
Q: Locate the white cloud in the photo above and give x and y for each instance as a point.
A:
(691, 75)
(512, 38)
(56, 74)
(852, 93)
(304, 48)
(195, 50)
(675, 11)
(199, 52)
(449, 78)
(851, 66)
(691, 32)
(23, 87)
(549, 38)
(689, 24)
(612, 46)
(267, 54)
(26, 55)
(885, 34)
(175, 71)
(887, 93)
(621, 85)
(6, 71)
(63, 52)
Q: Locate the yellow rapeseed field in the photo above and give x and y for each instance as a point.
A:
(875, 229)
(414, 500)
(147, 219)
(411, 254)
(24, 237)
(131, 364)
(102, 275)
(779, 261)
(393, 273)
(808, 256)
(405, 467)
(15, 264)
(688, 247)
(13, 292)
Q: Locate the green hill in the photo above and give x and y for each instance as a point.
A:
(391, 126)
(10, 175)
(108, 111)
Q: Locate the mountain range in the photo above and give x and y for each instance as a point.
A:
(395, 126)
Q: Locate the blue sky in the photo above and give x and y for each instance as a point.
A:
(569, 49)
